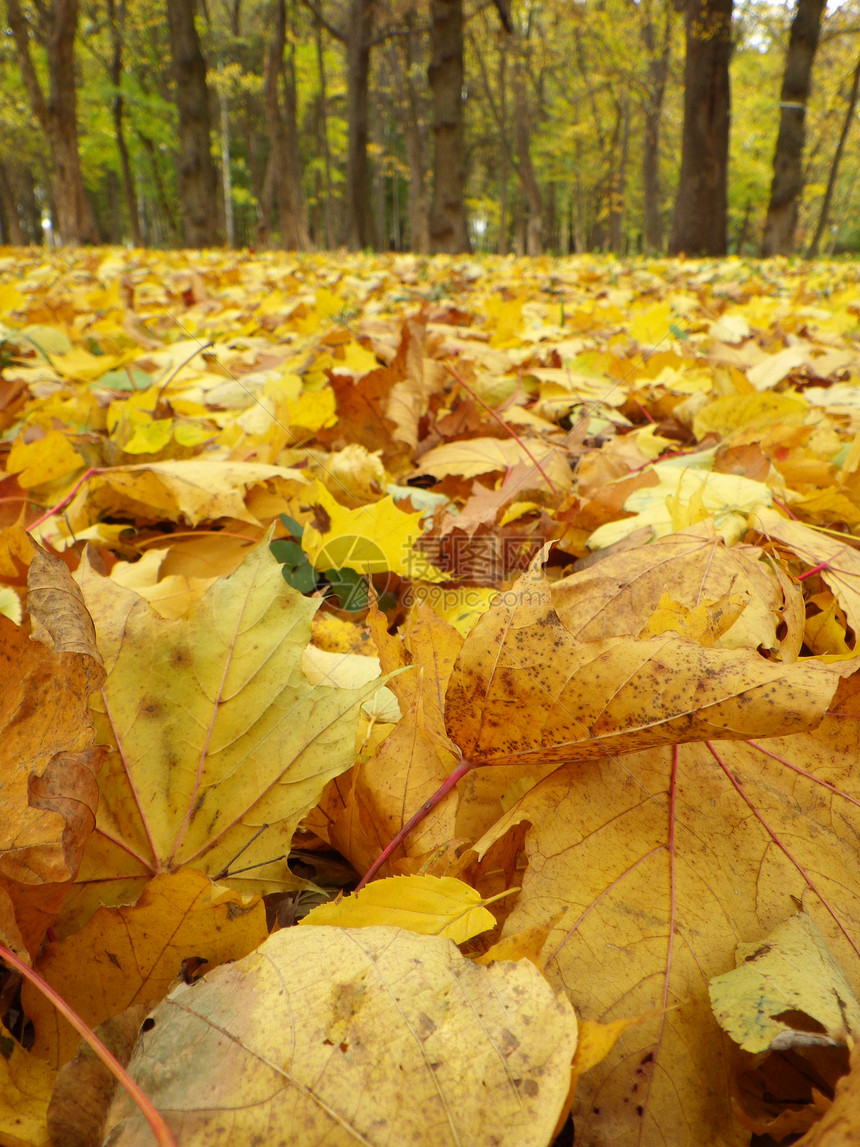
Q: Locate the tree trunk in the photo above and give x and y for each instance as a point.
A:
(283, 133)
(322, 140)
(226, 169)
(658, 73)
(359, 213)
(618, 181)
(12, 232)
(504, 154)
(58, 114)
(787, 185)
(410, 111)
(699, 225)
(815, 245)
(448, 230)
(197, 179)
(116, 19)
(525, 167)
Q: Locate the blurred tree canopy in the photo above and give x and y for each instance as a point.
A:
(431, 125)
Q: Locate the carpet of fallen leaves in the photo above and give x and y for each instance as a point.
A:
(574, 541)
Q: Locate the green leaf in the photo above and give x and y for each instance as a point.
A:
(291, 526)
(302, 577)
(119, 380)
(288, 553)
(350, 587)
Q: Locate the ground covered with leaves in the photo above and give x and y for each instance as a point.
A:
(575, 542)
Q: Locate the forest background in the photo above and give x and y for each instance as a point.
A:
(545, 126)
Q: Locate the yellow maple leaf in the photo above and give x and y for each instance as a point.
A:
(212, 727)
(376, 538)
(45, 460)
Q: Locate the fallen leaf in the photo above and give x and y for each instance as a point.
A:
(431, 905)
(364, 809)
(477, 456)
(378, 538)
(373, 1036)
(48, 762)
(218, 743)
(787, 991)
(85, 1088)
(614, 596)
(192, 491)
(839, 562)
(139, 951)
(26, 1084)
(544, 695)
(840, 1125)
(665, 860)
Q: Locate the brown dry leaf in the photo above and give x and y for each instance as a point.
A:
(345, 1036)
(48, 763)
(365, 808)
(666, 860)
(409, 399)
(791, 1011)
(132, 955)
(85, 1088)
(545, 696)
(476, 456)
(840, 1124)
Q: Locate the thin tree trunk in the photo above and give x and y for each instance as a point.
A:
(743, 233)
(293, 173)
(815, 245)
(226, 172)
(618, 182)
(787, 185)
(197, 179)
(166, 211)
(504, 154)
(402, 56)
(448, 230)
(322, 139)
(359, 213)
(701, 208)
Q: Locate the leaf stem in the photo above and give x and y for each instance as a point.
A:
(505, 426)
(151, 1114)
(65, 501)
(448, 785)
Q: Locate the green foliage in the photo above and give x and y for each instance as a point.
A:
(346, 586)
